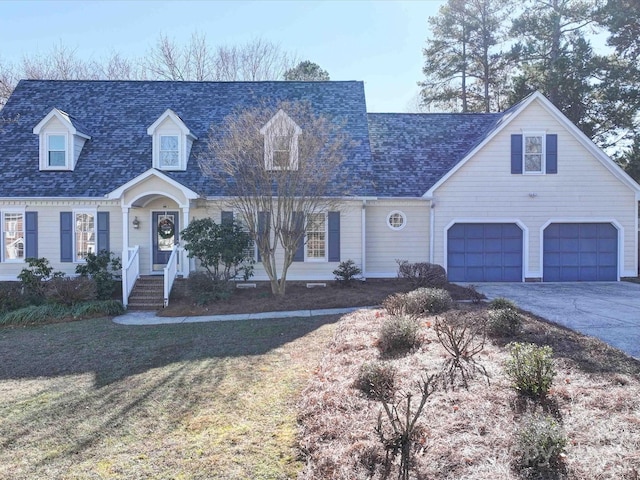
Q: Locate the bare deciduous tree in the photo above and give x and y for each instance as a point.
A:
(279, 165)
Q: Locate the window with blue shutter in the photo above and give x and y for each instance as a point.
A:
(516, 154)
(534, 153)
(264, 228)
(31, 235)
(298, 225)
(66, 236)
(552, 153)
(226, 217)
(103, 231)
(334, 236)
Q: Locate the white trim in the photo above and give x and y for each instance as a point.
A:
(280, 125)
(180, 130)
(432, 232)
(612, 221)
(93, 212)
(170, 114)
(152, 172)
(22, 211)
(575, 131)
(543, 160)
(404, 220)
(324, 259)
(363, 239)
(517, 221)
(63, 117)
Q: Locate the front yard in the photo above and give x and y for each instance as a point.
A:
(92, 399)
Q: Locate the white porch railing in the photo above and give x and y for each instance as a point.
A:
(170, 272)
(131, 272)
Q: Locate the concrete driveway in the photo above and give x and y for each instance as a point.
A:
(609, 311)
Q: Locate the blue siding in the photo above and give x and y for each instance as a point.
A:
(580, 252)
(484, 252)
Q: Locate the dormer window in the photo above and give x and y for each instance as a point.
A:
(62, 138)
(56, 150)
(169, 151)
(171, 142)
(281, 142)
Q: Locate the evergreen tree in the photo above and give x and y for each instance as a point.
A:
(307, 72)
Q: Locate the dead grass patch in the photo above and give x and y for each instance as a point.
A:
(471, 434)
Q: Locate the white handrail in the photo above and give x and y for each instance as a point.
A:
(131, 272)
(170, 272)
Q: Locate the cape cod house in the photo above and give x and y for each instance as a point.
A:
(516, 196)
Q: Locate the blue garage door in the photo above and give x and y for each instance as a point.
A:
(484, 252)
(580, 252)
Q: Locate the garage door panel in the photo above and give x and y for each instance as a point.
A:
(580, 252)
(484, 252)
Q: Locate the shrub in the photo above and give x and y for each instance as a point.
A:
(34, 277)
(11, 297)
(505, 322)
(205, 289)
(462, 335)
(224, 249)
(69, 291)
(376, 380)
(502, 303)
(423, 301)
(105, 269)
(97, 308)
(398, 334)
(346, 272)
(422, 274)
(530, 368)
(35, 314)
(540, 444)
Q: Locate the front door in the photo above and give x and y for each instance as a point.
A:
(165, 236)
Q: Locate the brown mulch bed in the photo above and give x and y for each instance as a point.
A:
(298, 297)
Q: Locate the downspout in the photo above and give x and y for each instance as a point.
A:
(432, 233)
(125, 251)
(363, 247)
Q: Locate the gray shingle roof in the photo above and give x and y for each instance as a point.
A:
(411, 152)
(116, 114)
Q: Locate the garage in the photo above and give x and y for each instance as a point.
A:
(580, 252)
(484, 252)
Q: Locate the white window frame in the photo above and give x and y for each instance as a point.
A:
(178, 166)
(95, 232)
(3, 231)
(44, 163)
(404, 220)
(543, 159)
(308, 258)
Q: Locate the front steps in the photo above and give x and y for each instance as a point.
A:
(148, 293)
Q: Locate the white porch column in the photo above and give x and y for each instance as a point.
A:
(184, 260)
(125, 235)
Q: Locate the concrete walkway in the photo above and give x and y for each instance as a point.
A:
(150, 318)
(609, 311)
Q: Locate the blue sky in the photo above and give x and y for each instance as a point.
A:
(379, 42)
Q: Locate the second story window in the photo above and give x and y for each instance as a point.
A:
(56, 151)
(533, 154)
(169, 151)
(281, 151)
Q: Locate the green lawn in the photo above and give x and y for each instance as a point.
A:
(92, 399)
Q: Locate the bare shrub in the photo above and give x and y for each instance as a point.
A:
(422, 274)
(71, 290)
(376, 380)
(402, 432)
(462, 335)
(398, 334)
(502, 303)
(419, 302)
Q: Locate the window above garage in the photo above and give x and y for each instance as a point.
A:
(534, 153)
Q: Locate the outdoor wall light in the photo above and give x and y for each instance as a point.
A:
(136, 223)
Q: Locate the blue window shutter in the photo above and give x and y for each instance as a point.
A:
(264, 227)
(334, 236)
(66, 236)
(552, 153)
(226, 217)
(103, 231)
(31, 235)
(298, 225)
(516, 153)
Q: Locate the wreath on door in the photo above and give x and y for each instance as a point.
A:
(166, 228)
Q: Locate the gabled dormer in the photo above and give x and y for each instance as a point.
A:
(61, 140)
(172, 142)
(281, 142)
